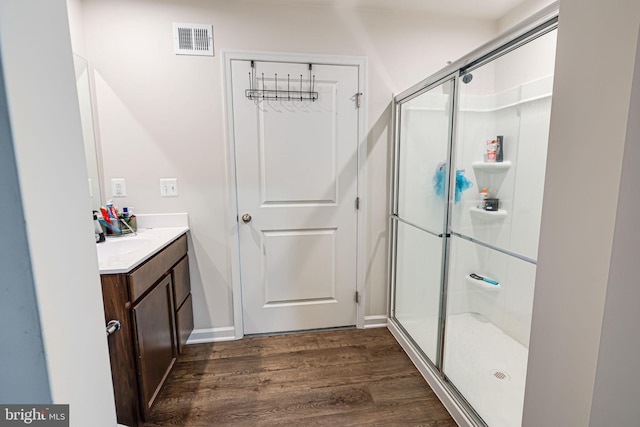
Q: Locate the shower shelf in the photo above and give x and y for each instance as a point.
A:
(492, 167)
(482, 284)
(491, 175)
(488, 216)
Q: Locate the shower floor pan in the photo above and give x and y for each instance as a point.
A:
(488, 367)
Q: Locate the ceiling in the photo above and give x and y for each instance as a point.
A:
(484, 9)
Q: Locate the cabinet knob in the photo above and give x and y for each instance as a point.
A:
(246, 218)
(112, 326)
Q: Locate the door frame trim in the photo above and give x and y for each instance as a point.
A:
(231, 214)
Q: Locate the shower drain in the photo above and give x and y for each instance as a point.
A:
(501, 375)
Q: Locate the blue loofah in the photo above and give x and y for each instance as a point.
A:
(462, 183)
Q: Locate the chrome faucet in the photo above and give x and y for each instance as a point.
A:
(129, 227)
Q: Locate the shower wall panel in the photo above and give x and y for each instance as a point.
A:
(521, 115)
(524, 123)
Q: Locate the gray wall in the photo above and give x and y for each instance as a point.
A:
(618, 377)
(23, 371)
(49, 155)
(583, 210)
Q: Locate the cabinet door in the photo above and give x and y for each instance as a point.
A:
(123, 363)
(184, 322)
(181, 283)
(183, 303)
(155, 345)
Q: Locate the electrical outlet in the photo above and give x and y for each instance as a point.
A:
(118, 187)
(169, 187)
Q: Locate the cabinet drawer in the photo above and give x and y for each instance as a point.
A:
(184, 320)
(181, 284)
(149, 272)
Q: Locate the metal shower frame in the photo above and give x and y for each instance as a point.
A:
(537, 25)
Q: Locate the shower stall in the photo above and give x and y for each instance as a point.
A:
(468, 177)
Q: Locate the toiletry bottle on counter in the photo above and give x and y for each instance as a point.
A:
(97, 228)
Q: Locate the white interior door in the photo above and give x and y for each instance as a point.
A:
(296, 170)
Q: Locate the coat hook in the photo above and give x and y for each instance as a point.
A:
(256, 91)
(251, 79)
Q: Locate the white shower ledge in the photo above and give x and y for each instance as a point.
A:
(498, 215)
(492, 166)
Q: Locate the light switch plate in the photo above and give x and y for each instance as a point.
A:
(118, 187)
(169, 187)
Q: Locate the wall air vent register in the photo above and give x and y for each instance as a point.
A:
(193, 39)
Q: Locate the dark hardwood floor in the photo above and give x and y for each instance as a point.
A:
(344, 377)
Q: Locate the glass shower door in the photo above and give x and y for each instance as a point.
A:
(494, 242)
(419, 213)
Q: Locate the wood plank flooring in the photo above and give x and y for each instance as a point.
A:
(344, 377)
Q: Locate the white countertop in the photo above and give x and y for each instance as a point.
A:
(123, 254)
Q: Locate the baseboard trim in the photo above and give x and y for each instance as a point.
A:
(378, 321)
(227, 333)
(458, 414)
(199, 336)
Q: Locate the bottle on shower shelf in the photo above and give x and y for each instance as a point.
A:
(484, 195)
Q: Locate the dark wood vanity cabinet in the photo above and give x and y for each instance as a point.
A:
(153, 304)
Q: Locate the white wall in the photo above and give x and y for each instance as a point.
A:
(161, 115)
(596, 53)
(45, 121)
(76, 30)
(522, 12)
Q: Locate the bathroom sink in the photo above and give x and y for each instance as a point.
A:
(123, 253)
(127, 243)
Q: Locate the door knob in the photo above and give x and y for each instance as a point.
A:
(246, 218)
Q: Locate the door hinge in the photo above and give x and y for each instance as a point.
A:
(357, 297)
(358, 97)
(357, 203)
